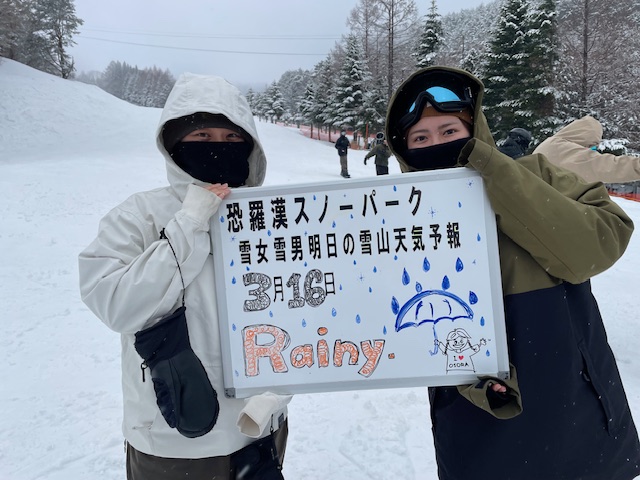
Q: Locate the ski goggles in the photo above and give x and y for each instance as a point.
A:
(442, 99)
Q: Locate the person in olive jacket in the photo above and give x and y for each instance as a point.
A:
(563, 414)
(381, 153)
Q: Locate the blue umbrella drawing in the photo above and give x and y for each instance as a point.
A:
(431, 306)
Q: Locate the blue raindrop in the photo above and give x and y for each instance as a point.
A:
(358, 319)
(333, 224)
(473, 298)
(304, 322)
(236, 373)
(314, 197)
(270, 313)
(248, 268)
(479, 237)
(426, 266)
(305, 263)
(333, 312)
(355, 263)
(233, 280)
(233, 327)
(221, 219)
(395, 306)
(268, 233)
(488, 353)
(340, 287)
(370, 289)
(384, 221)
(405, 277)
(459, 265)
(375, 269)
(446, 283)
(482, 322)
(395, 188)
(351, 216)
(395, 257)
(459, 204)
(418, 287)
(232, 263)
(384, 331)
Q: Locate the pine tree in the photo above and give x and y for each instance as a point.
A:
(431, 38)
(507, 73)
(541, 45)
(350, 87)
(274, 102)
(307, 106)
(323, 93)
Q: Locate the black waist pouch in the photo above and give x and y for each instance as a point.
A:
(257, 461)
(184, 393)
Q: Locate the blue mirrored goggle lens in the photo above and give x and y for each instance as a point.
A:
(439, 95)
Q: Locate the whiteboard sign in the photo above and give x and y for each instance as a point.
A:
(374, 283)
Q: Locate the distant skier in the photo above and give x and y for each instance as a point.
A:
(342, 144)
(382, 153)
(516, 143)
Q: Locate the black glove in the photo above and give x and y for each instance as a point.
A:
(184, 393)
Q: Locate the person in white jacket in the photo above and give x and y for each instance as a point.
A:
(151, 256)
(570, 148)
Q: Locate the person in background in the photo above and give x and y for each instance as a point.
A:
(149, 276)
(563, 413)
(382, 153)
(516, 143)
(572, 148)
(342, 145)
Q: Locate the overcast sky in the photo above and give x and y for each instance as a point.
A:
(249, 42)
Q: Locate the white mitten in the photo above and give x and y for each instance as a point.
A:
(257, 412)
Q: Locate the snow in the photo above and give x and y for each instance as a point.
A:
(70, 152)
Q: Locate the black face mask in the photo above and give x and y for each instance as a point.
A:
(444, 155)
(214, 162)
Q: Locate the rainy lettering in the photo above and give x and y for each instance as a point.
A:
(272, 342)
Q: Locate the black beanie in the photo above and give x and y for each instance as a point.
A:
(175, 130)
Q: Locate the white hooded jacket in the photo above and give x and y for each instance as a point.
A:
(129, 279)
(570, 148)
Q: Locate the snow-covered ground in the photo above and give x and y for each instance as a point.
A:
(70, 152)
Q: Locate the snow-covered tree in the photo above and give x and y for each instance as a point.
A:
(541, 41)
(12, 27)
(273, 102)
(508, 72)
(350, 87)
(598, 72)
(431, 38)
(56, 23)
(292, 85)
(148, 87)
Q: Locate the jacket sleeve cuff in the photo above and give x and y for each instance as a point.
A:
(476, 154)
(200, 204)
(501, 405)
(257, 412)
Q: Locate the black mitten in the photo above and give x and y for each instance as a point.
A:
(257, 461)
(184, 394)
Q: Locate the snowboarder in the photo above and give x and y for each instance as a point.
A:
(563, 414)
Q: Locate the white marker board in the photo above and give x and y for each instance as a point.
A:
(392, 281)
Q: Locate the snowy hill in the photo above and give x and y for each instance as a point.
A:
(68, 153)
